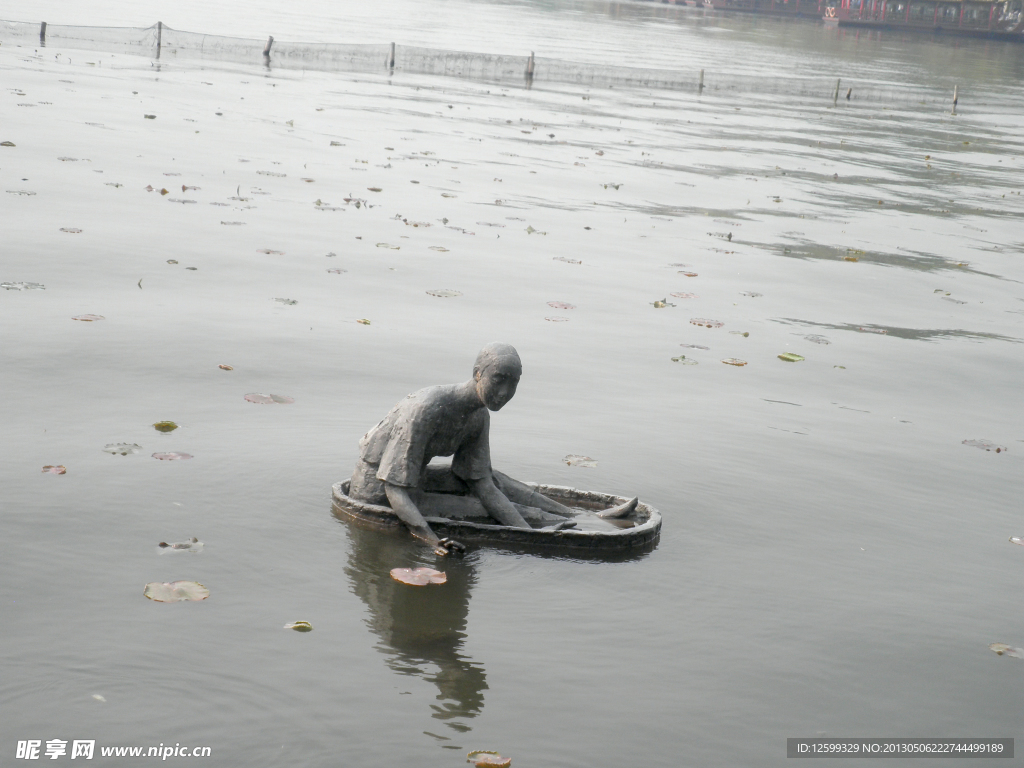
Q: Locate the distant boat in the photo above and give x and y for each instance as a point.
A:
(636, 533)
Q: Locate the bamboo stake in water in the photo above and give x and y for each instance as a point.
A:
(266, 50)
(835, 96)
(42, 33)
(956, 96)
(391, 57)
(159, 37)
(700, 85)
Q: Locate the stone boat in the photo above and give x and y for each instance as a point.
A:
(635, 533)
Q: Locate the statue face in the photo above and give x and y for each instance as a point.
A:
(496, 385)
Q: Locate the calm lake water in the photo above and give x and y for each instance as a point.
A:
(834, 559)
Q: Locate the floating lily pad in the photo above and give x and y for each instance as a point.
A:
(985, 445)
(575, 460)
(557, 319)
(165, 426)
(51, 469)
(1008, 650)
(734, 361)
(444, 293)
(23, 286)
(418, 577)
(703, 321)
(561, 305)
(172, 456)
(791, 357)
(88, 318)
(695, 346)
(685, 295)
(487, 758)
(122, 449)
(192, 545)
(261, 399)
(1017, 540)
(175, 591)
(684, 360)
(224, 367)
(7, 144)
(299, 626)
(815, 339)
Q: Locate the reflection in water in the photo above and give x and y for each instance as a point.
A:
(421, 629)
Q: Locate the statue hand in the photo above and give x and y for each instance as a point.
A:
(447, 546)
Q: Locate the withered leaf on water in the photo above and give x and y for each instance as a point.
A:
(561, 305)
(734, 361)
(172, 456)
(336, 271)
(694, 346)
(261, 399)
(661, 304)
(439, 249)
(7, 144)
(363, 321)
(985, 445)
(375, 189)
(704, 322)
(122, 449)
(684, 360)
(193, 545)
(566, 259)
(688, 274)
(685, 295)
(575, 460)
(791, 357)
(58, 469)
(444, 293)
(418, 577)
(88, 318)
(175, 591)
(270, 252)
(299, 626)
(224, 367)
(287, 302)
(751, 294)
(557, 319)
(392, 247)
(1017, 540)
(71, 230)
(488, 758)
(165, 426)
(1008, 650)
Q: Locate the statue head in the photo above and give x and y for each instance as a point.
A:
(496, 373)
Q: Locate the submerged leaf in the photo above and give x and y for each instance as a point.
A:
(684, 360)
(23, 286)
(815, 339)
(1009, 650)
(299, 626)
(985, 445)
(261, 399)
(122, 449)
(172, 456)
(60, 469)
(444, 293)
(175, 591)
(791, 357)
(418, 577)
(165, 426)
(575, 460)
(734, 361)
(192, 545)
(694, 346)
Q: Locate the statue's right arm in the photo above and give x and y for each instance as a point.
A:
(409, 514)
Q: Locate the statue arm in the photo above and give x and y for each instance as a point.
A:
(496, 503)
(408, 513)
